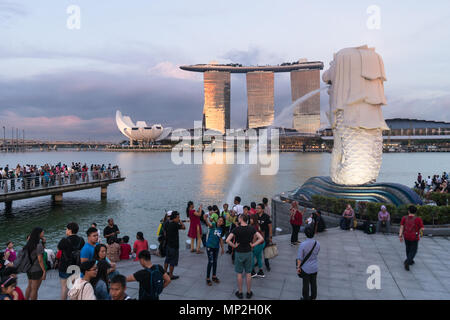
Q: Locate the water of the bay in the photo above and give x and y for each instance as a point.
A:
(154, 184)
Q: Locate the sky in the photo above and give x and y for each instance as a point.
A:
(58, 83)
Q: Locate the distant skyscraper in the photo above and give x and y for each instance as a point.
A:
(260, 90)
(307, 114)
(216, 110)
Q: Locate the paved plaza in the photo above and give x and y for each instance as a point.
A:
(343, 261)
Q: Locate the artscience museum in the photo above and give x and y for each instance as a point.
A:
(140, 132)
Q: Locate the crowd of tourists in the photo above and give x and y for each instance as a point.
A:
(88, 269)
(33, 176)
(437, 183)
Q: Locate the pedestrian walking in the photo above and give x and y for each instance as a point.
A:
(411, 229)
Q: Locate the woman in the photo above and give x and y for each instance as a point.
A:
(347, 218)
(195, 229)
(307, 264)
(384, 219)
(113, 249)
(10, 253)
(100, 282)
(212, 247)
(257, 250)
(100, 254)
(139, 245)
(296, 220)
(8, 285)
(36, 273)
(82, 288)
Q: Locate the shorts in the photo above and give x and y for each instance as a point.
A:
(36, 275)
(171, 256)
(64, 275)
(243, 261)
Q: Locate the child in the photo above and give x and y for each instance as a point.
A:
(125, 248)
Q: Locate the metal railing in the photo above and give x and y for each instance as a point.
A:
(35, 182)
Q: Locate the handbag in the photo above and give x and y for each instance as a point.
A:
(270, 251)
(303, 273)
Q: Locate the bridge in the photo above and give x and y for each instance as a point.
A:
(54, 186)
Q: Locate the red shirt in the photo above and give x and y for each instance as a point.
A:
(20, 293)
(125, 250)
(138, 246)
(418, 224)
(297, 218)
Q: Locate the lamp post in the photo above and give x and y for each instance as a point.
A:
(4, 137)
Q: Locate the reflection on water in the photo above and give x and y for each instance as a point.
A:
(154, 184)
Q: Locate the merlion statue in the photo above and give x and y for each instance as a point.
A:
(356, 76)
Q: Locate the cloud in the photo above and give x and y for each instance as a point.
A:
(9, 11)
(167, 69)
(57, 127)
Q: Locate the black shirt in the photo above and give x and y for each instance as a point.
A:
(173, 239)
(67, 246)
(143, 277)
(109, 230)
(244, 236)
(264, 221)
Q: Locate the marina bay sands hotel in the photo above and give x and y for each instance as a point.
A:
(305, 77)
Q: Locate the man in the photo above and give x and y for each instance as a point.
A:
(118, 287)
(82, 288)
(429, 182)
(308, 263)
(419, 178)
(266, 227)
(267, 209)
(87, 252)
(111, 230)
(411, 228)
(173, 243)
(149, 277)
(70, 247)
(237, 208)
(246, 239)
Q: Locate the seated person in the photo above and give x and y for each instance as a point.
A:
(347, 218)
(384, 220)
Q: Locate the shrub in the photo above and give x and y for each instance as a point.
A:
(441, 199)
(369, 210)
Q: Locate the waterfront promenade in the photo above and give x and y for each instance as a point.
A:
(343, 261)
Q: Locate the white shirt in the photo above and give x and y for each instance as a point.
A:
(239, 209)
(429, 181)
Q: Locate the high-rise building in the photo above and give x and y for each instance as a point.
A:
(260, 89)
(216, 110)
(306, 114)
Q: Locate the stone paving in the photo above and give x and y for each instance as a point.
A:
(343, 262)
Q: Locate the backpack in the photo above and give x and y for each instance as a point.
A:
(74, 258)
(410, 231)
(156, 284)
(23, 262)
(370, 228)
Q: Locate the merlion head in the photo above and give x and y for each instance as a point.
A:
(356, 77)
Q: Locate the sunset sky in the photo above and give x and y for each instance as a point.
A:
(58, 83)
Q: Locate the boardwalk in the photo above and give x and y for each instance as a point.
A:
(343, 260)
(29, 187)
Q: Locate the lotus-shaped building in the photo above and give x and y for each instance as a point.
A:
(140, 131)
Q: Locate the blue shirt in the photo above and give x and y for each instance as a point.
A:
(214, 237)
(87, 251)
(311, 265)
